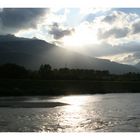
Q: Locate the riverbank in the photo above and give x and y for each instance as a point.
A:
(19, 104)
(11, 87)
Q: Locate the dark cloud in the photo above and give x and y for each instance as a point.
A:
(136, 27)
(106, 49)
(132, 58)
(115, 32)
(58, 33)
(14, 19)
(110, 18)
(91, 15)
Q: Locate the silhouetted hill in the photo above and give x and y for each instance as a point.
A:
(137, 65)
(31, 53)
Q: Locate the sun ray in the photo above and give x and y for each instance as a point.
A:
(81, 37)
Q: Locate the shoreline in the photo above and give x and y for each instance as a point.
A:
(18, 104)
(16, 87)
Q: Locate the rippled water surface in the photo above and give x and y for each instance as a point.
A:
(90, 113)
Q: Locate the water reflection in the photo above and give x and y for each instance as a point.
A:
(112, 112)
(75, 100)
(73, 116)
(92, 113)
(75, 108)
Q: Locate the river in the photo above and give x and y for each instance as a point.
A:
(116, 112)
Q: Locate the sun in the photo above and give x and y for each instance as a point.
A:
(80, 38)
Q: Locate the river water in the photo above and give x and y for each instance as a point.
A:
(79, 113)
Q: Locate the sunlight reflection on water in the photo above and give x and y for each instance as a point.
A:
(74, 117)
(110, 112)
(75, 100)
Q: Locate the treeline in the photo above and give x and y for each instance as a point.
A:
(45, 72)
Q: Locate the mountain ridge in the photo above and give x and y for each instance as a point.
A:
(31, 53)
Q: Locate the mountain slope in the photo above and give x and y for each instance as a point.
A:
(137, 65)
(31, 53)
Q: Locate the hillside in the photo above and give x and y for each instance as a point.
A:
(31, 53)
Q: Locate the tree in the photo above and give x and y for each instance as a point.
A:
(13, 71)
(45, 71)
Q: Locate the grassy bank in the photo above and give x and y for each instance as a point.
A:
(65, 87)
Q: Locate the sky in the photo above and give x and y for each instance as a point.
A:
(108, 33)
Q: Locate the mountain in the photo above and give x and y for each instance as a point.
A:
(137, 65)
(31, 53)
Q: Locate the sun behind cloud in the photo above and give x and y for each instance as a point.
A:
(82, 36)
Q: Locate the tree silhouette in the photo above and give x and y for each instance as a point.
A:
(45, 71)
(13, 71)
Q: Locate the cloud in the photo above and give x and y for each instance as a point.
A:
(58, 32)
(91, 13)
(131, 57)
(114, 32)
(128, 58)
(116, 27)
(136, 27)
(110, 18)
(115, 53)
(15, 19)
(126, 53)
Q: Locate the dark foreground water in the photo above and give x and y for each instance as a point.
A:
(90, 113)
